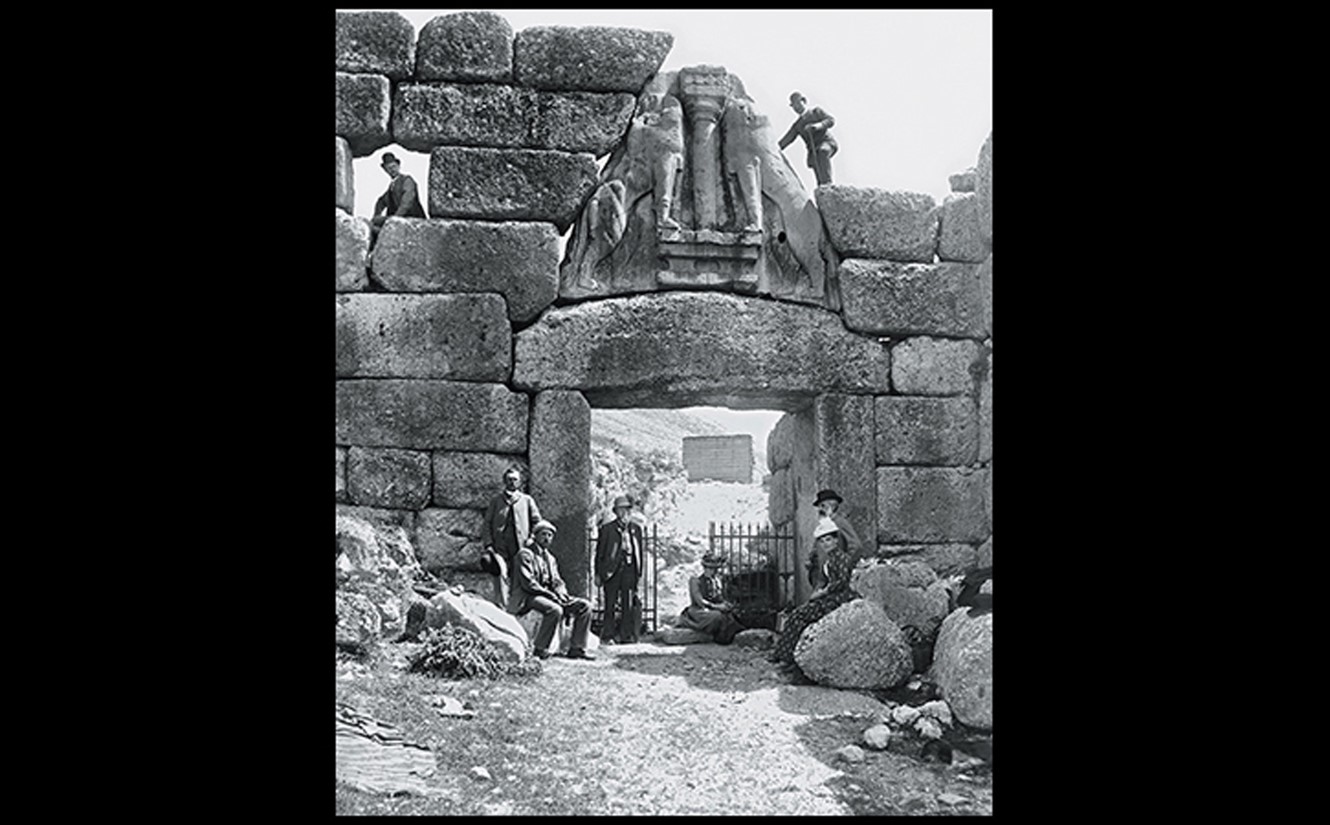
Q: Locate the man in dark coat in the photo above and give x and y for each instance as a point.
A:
(619, 551)
(814, 126)
(537, 586)
(400, 201)
(507, 527)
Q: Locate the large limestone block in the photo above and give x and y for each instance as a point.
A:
(780, 443)
(341, 476)
(942, 559)
(520, 261)
(966, 181)
(560, 466)
(509, 184)
(985, 191)
(935, 366)
(375, 42)
(931, 505)
(842, 460)
(425, 414)
(449, 539)
(489, 115)
(385, 477)
(959, 239)
(874, 223)
(363, 108)
(896, 299)
(696, 348)
(936, 431)
(473, 46)
(352, 249)
(463, 337)
(780, 500)
(378, 564)
(346, 186)
(475, 613)
(855, 646)
(986, 284)
(590, 58)
(986, 415)
(963, 666)
(471, 479)
(984, 558)
(380, 517)
(359, 623)
(908, 591)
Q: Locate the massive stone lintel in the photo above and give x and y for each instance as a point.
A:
(363, 109)
(591, 58)
(518, 260)
(699, 195)
(426, 414)
(676, 348)
(509, 184)
(375, 42)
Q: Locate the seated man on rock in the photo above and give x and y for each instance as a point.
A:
(539, 588)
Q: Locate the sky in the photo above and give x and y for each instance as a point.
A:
(911, 91)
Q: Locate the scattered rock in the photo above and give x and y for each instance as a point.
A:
(759, 638)
(905, 715)
(963, 667)
(951, 799)
(481, 774)
(851, 753)
(855, 646)
(480, 615)
(877, 737)
(937, 709)
(928, 728)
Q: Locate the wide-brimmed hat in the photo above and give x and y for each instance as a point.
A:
(827, 495)
(543, 525)
(623, 501)
(824, 527)
(713, 560)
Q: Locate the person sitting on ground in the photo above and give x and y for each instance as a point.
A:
(709, 612)
(840, 564)
(538, 587)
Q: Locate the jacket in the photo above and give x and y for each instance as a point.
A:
(608, 544)
(536, 573)
(814, 136)
(525, 514)
(401, 199)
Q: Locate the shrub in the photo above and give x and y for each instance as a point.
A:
(452, 652)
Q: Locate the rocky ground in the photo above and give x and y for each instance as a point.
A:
(652, 729)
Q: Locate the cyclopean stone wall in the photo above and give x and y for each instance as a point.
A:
(458, 353)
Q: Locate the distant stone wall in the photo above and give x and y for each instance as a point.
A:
(452, 363)
(719, 458)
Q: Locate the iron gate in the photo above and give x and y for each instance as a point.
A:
(648, 587)
(758, 571)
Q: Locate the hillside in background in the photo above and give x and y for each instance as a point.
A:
(647, 430)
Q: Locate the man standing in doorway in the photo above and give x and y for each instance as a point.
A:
(508, 521)
(814, 126)
(400, 201)
(618, 567)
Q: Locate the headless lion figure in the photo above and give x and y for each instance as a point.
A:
(655, 153)
(741, 123)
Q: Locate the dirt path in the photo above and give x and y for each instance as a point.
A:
(653, 729)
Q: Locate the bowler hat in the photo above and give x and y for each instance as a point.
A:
(623, 501)
(827, 495)
(713, 560)
(544, 525)
(797, 96)
(388, 157)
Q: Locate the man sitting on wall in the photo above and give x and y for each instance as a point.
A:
(538, 587)
(400, 201)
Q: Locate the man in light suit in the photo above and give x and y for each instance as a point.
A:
(400, 201)
(538, 586)
(814, 126)
(507, 528)
(619, 551)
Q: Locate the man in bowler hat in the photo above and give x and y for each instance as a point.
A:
(814, 126)
(400, 201)
(619, 551)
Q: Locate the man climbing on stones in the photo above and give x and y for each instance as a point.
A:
(400, 201)
(537, 586)
(506, 529)
(814, 126)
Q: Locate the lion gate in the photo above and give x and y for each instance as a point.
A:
(698, 272)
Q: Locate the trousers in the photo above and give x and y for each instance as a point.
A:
(623, 608)
(551, 613)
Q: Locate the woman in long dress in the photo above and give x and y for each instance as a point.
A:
(708, 611)
(839, 566)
